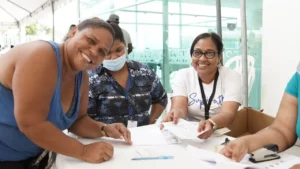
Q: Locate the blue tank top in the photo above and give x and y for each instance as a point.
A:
(14, 145)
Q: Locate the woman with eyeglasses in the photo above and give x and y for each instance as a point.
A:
(207, 91)
(123, 90)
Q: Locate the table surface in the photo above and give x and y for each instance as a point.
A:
(123, 154)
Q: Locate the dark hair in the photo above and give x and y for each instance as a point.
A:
(69, 31)
(215, 38)
(95, 23)
(118, 32)
(72, 26)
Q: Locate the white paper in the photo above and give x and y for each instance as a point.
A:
(151, 152)
(183, 129)
(286, 161)
(147, 135)
(131, 124)
(205, 155)
(170, 137)
(220, 160)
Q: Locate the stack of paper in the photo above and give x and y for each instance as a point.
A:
(183, 129)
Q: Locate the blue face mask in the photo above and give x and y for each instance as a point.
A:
(116, 64)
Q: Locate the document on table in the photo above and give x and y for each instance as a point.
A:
(183, 129)
(286, 161)
(176, 154)
(150, 151)
(152, 135)
(221, 161)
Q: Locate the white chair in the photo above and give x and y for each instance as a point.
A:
(236, 64)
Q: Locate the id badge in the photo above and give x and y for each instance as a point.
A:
(131, 124)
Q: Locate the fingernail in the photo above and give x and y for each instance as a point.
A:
(122, 137)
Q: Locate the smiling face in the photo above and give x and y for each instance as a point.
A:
(205, 65)
(87, 48)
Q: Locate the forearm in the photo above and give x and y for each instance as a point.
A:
(223, 119)
(156, 111)
(267, 136)
(182, 111)
(49, 137)
(87, 127)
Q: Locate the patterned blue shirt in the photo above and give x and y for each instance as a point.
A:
(109, 103)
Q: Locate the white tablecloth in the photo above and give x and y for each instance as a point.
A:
(123, 154)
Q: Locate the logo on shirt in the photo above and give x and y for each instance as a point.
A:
(195, 100)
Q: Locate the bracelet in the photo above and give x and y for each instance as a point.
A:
(213, 123)
(102, 130)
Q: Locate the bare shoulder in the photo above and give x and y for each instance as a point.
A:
(37, 60)
(35, 56)
(38, 55)
(40, 51)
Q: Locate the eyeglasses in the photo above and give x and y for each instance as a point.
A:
(208, 55)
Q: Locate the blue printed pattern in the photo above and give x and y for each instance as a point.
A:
(108, 104)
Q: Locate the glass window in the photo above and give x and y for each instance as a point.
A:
(185, 19)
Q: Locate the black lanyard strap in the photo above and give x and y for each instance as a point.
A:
(207, 105)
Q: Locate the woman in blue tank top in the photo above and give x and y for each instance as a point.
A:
(283, 132)
(44, 90)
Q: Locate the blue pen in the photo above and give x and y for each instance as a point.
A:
(154, 158)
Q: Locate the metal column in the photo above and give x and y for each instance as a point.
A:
(165, 64)
(244, 53)
(219, 19)
(53, 20)
(180, 24)
(78, 11)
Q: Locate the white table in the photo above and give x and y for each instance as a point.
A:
(123, 154)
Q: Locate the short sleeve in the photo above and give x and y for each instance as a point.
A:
(233, 87)
(179, 86)
(158, 92)
(92, 109)
(292, 86)
(92, 83)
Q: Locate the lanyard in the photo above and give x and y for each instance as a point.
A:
(207, 105)
(126, 92)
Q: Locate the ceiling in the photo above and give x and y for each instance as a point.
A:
(12, 11)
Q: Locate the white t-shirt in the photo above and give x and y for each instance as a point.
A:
(229, 88)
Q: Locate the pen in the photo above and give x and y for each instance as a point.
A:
(226, 141)
(154, 158)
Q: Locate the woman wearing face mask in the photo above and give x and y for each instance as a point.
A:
(206, 92)
(44, 90)
(123, 90)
